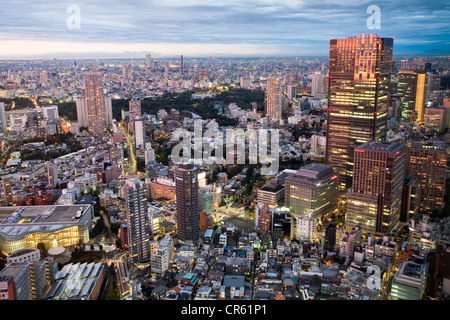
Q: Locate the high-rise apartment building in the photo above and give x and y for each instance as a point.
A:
(139, 133)
(7, 189)
(412, 88)
(317, 83)
(374, 201)
(274, 98)
(52, 174)
(3, 120)
(427, 163)
(358, 87)
(187, 203)
(96, 111)
(138, 229)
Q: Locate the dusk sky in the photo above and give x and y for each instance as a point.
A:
(198, 28)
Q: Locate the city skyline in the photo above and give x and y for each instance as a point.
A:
(214, 28)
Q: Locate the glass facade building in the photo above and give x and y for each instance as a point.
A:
(358, 82)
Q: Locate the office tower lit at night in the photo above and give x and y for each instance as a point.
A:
(358, 83)
(412, 87)
(7, 189)
(313, 189)
(187, 203)
(428, 163)
(374, 201)
(273, 98)
(96, 106)
(137, 221)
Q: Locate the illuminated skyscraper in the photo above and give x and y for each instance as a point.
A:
(358, 83)
(427, 163)
(137, 221)
(7, 189)
(187, 203)
(374, 202)
(96, 104)
(274, 98)
(412, 87)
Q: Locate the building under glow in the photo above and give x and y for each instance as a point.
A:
(358, 82)
(25, 227)
(374, 202)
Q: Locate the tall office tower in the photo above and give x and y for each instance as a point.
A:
(427, 163)
(374, 201)
(52, 174)
(358, 92)
(81, 111)
(7, 189)
(3, 120)
(125, 72)
(95, 104)
(148, 61)
(139, 133)
(412, 88)
(313, 189)
(273, 99)
(135, 109)
(108, 111)
(137, 221)
(291, 90)
(317, 84)
(186, 185)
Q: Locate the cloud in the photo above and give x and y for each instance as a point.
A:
(284, 27)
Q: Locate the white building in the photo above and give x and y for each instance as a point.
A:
(160, 259)
(318, 83)
(139, 133)
(306, 228)
(149, 153)
(318, 144)
(50, 112)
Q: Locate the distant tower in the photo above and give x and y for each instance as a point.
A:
(125, 72)
(95, 104)
(166, 71)
(148, 61)
(181, 67)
